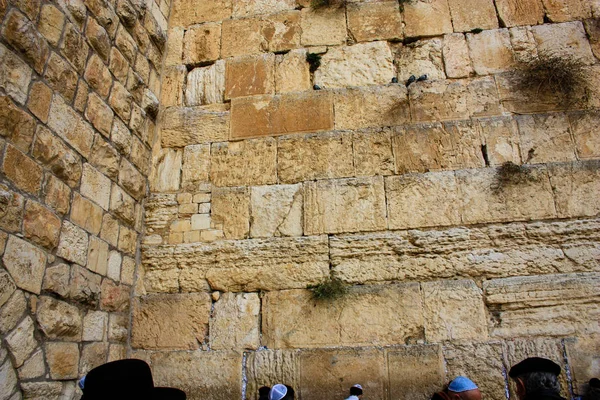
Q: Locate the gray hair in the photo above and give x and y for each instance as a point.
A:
(536, 381)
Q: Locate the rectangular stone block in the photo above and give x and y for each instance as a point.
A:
(427, 18)
(95, 186)
(491, 51)
(205, 85)
(375, 21)
(196, 166)
(86, 214)
(15, 75)
(201, 374)
(62, 161)
(567, 10)
(202, 43)
(379, 315)
(25, 263)
(264, 367)
(234, 323)
(166, 170)
(546, 138)
(472, 14)
(230, 210)
(178, 321)
(424, 56)
(292, 72)
(583, 354)
(188, 12)
(500, 135)
(357, 108)
(70, 126)
(415, 371)
(318, 156)
(551, 305)
(97, 258)
(22, 171)
(343, 367)
(287, 113)
(244, 163)
(422, 200)
(15, 124)
(520, 12)
(324, 26)
(248, 28)
(454, 310)
(345, 205)
(583, 127)
(576, 187)
(457, 62)
(250, 76)
(372, 152)
(183, 126)
(276, 211)
(566, 39)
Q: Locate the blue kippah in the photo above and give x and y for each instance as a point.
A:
(461, 384)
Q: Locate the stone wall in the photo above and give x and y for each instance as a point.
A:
(270, 176)
(79, 82)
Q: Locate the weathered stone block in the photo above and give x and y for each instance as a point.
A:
(51, 151)
(59, 320)
(70, 126)
(15, 124)
(34, 367)
(375, 21)
(377, 106)
(166, 170)
(566, 10)
(61, 76)
(323, 27)
(201, 374)
(25, 263)
(127, 240)
(122, 205)
(177, 321)
(202, 43)
(188, 12)
(372, 152)
(358, 65)
(92, 355)
(205, 85)
(244, 163)
(98, 38)
(309, 157)
(379, 315)
(249, 76)
(276, 211)
(99, 114)
(253, 7)
(95, 325)
(250, 29)
(345, 205)
(520, 12)
(582, 354)
(196, 166)
(15, 75)
(183, 126)
(40, 225)
(501, 138)
(51, 23)
(25, 173)
(73, 244)
(422, 200)
(57, 195)
(114, 297)
(21, 341)
(74, 46)
(415, 371)
(287, 113)
(95, 186)
(546, 138)
(567, 39)
(234, 322)
(266, 367)
(491, 51)
(12, 311)
(63, 360)
(427, 18)
(423, 57)
(98, 76)
(22, 34)
(583, 127)
(292, 72)
(97, 256)
(11, 209)
(575, 186)
(457, 62)
(230, 208)
(473, 14)
(132, 180)
(7, 287)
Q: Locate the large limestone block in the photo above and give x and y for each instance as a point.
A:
(253, 7)
(359, 65)
(286, 113)
(25, 263)
(202, 43)
(8, 380)
(234, 322)
(422, 200)
(375, 21)
(97, 256)
(12, 312)
(520, 12)
(551, 305)
(491, 51)
(50, 150)
(11, 209)
(583, 354)
(70, 126)
(316, 156)
(454, 99)
(161, 210)
(196, 166)
(420, 58)
(73, 244)
(454, 310)
(292, 72)
(567, 39)
(95, 186)
(21, 342)
(482, 362)
(63, 360)
(244, 163)
(427, 18)
(7, 287)
(500, 136)
(583, 127)
(183, 126)
(59, 320)
(473, 14)
(415, 371)
(457, 62)
(166, 171)
(345, 205)
(437, 146)
(22, 34)
(205, 85)
(188, 12)
(248, 28)
(357, 108)
(366, 315)
(268, 367)
(25, 173)
(519, 100)
(546, 138)
(567, 10)
(178, 321)
(15, 75)
(343, 366)
(215, 375)
(250, 76)
(324, 26)
(17, 125)
(576, 186)
(276, 211)
(282, 31)
(372, 152)
(40, 225)
(230, 211)
(484, 199)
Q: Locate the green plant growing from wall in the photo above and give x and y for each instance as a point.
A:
(314, 61)
(511, 174)
(403, 3)
(559, 76)
(330, 289)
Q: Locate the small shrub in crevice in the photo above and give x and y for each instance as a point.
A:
(510, 174)
(316, 4)
(403, 3)
(330, 289)
(314, 61)
(563, 77)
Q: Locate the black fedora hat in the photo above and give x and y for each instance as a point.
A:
(534, 364)
(126, 380)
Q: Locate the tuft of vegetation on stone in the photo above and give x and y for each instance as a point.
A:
(552, 74)
(403, 3)
(314, 60)
(510, 173)
(330, 289)
(327, 3)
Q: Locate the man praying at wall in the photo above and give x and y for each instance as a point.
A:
(536, 379)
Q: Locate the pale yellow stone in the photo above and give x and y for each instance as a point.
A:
(575, 186)
(501, 138)
(417, 370)
(379, 315)
(250, 76)
(267, 366)
(173, 86)
(545, 138)
(520, 12)
(183, 126)
(206, 85)
(166, 171)
(584, 360)
(567, 39)
(25, 263)
(372, 152)
(95, 186)
(427, 18)
(583, 128)
(202, 43)
(253, 7)
(73, 244)
(247, 162)
(276, 211)
(345, 205)
(97, 256)
(86, 214)
(491, 51)
(375, 21)
(292, 72)
(230, 208)
(457, 62)
(59, 320)
(234, 323)
(423, 57)
(567, 10)
(63, 360)
(174, 50)
(323, 27)
(15, 75)
(473, 14)
(188, 12)
(21, 341)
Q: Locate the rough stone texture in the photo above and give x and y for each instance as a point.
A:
(583, 361)
(202, 43)
(415, 371)
(520, 12)
(15, 75)
(98, 76)
(196, 166)
(42, 390)
(363, 316)
(427, 18)
(423, 57)
(323, 27)
(287, 113)
(566, 10)
(588, 144)
(177, 321)
(73, 244)
(573, 184)
(206, 85)
(187, 12)
(234, 323)
(12, 312)
(86, 214)
(501, 138)
(61, 76)
(166, 171)
(95, 326)
(248, 162)
(375, 21)
(251, 265)
(276, 211)
(8, 379)
(20, 32)
(456, 56)
(561, 304)
(454, 310)
(264, 367)
(7, 287)
(25, 173)
(21, 342)
(249, 76)
(292, 72)
(546, 137)
(11, 209)
(472, 14)
(97, 258)
(491, 51)
(183, 126)
(230, 209)
(17, 126)
(252, 7)
(63, 162)
(349, 205)
(25, 263)
(429, 199)
(92, 355)
(59, 320)
(200, 374)
(70, 126)
(358, 65)
(567, 39)
(34, 367)
(63, 360)
(40, 225)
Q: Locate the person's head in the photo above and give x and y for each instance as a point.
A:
(356, 390)
(535, 374)
(593, 391)
(281, 392)
(462, 388)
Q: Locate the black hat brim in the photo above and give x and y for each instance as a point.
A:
(534, 364)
